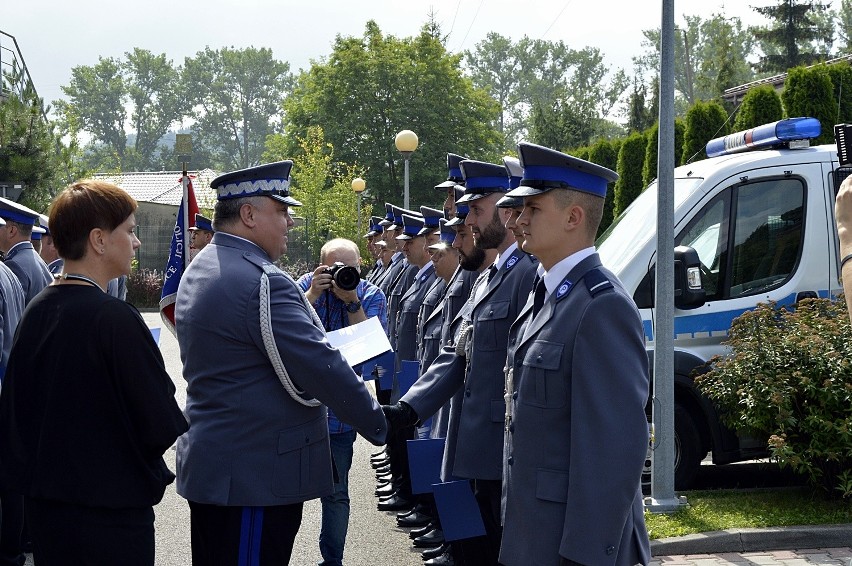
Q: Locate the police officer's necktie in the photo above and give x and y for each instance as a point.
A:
(538, 298)
(492, 271)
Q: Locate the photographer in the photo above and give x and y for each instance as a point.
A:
(337, 307)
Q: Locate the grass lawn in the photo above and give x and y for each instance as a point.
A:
(736, 509)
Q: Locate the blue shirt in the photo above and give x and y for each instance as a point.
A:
(332, 313)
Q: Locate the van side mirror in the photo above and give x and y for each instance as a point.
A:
(689, 290)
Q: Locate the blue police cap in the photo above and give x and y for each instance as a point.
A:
(461, 214)
(514, 170)
(388, 219)
(43, 221)
(454, 175)
(448, 235)
(510, 202)
(37, 232)
(411, 227)
(398, 211)
(269, 180)
(546, 169)
(375, 226)
(431, 219)
(482, 179)
(202, 223)
(11, 210)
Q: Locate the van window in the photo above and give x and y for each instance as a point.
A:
(765, 240)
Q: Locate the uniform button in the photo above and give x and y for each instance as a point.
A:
(515, 395)
(510, 460)
(538, 359)
(378, 430)
(610, 550)
(512, 341)
(467, 392)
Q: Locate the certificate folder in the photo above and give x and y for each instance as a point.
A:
(457, 508)
(424, 463)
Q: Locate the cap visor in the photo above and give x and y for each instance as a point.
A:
(471, 196)
(523, 191)
(455, 222)
(289, 201)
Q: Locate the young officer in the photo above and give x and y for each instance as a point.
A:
(576, 383)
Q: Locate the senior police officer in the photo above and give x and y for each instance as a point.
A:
(16, 245)
(496, 299)
(576, 385)
(258, 368)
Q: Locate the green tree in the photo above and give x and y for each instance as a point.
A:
(710, 56)
(604, 153)
(808, 92)
(794, 36)
(99, 97)
(631, 158)
(760, 105)
(374, 86)
(704, 121)
(537, 73)
(28, 146)
(841, 80)
(844, 27)
(236, 94)
(323, 186)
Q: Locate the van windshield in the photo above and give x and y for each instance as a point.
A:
(637, 224)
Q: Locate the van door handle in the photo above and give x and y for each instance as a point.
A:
(806, 295)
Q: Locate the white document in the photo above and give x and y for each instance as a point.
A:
(360, 342)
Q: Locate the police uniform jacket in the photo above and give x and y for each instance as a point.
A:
(249, 442)
(11, 309)
(458, 291)
(479, 442)
(388, 275)
(409, 309)
(401, 284)
(577, 436)
(29, 268)
(429, 322)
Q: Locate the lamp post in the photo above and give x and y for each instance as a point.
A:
(358, 185)
(406, 143)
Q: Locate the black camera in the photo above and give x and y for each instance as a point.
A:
(345, 276)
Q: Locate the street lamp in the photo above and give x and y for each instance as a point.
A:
(406, 143)
(358, 185)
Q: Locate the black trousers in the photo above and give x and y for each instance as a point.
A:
(11, 524)
(65, 534)
(243, 536)
(485, 550)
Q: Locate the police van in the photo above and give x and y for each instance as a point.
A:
(759, 215)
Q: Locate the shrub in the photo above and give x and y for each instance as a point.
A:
(631, 158)
(790, 378)
(808, 92)
(761, 105)
(144, 288)
(704, 121)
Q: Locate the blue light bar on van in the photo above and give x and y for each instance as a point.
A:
(767, 135)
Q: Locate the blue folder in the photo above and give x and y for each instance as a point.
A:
(380, 367)
(424, 463)
(457, 508)
(408, 373)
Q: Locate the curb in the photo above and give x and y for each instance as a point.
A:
(755, 540)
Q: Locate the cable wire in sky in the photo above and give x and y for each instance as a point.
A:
(456, 15)
(555, 19)
(471, 24)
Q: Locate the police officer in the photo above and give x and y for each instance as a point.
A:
(495, 301)
(371, 236)
(258, 368)
(16, 245)
(576, 385)
(11, 308)
(48, 251)
(200, 234)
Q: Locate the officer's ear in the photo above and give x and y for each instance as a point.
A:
(247, 214)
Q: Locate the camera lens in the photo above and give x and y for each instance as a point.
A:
(346, 277)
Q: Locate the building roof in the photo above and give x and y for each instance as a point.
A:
(164, 187)
(736, 94)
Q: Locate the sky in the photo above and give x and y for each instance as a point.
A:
(56, 35)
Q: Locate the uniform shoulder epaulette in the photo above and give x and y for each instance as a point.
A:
(596, 282)
(264, 264)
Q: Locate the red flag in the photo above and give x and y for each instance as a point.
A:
(178, 256)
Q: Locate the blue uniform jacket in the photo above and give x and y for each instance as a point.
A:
(249, 443)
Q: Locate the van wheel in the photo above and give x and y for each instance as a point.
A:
(687, 453)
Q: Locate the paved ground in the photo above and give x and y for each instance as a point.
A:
(374, 539)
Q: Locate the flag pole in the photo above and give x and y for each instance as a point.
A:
(185, 208)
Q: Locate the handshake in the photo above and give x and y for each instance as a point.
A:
(399, 417)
